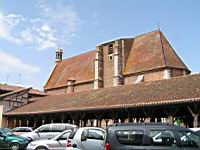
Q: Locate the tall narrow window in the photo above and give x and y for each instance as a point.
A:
(110, 49)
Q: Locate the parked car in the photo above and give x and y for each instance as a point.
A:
(48, 131)
(56, 143)
(150, 136)
(86, 138)
(10, 141)
(21, 130)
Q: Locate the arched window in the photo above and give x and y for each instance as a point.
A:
(110, 49)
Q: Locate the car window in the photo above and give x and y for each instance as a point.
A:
(162, 138)
(45, 128)
(1, 133)
(64, 136)
(59, 128)
(189, 139)
(7, 131)
(22, 130)
(130, 137)
(95, 134)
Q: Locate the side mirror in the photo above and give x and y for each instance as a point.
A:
(83, 138)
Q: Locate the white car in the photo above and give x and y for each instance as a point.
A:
(21, 130)
(86, 138)
(57, 143)
(48, 131)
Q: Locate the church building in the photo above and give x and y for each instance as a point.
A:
(139, 79)
(144, 58)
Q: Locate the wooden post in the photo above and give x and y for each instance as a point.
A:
(195, 117)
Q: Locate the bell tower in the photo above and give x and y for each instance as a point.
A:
(59, 53)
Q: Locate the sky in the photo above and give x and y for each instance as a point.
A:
(31, 30)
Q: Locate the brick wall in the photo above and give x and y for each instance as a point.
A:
(84, 87)
(77, 88)
(149, 76)
(108, 70)
(176, 72)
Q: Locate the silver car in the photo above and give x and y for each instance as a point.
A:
(48, 131)
(86, 138)
(57, 143)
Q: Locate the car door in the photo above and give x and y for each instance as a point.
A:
(59, 142)
(3, 143)
(43, 132)
(189, 140)
(92, 139)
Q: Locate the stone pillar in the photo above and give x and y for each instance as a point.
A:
(1, 116)
(98, 83)
(15, 122)
(27, 123)
(117, 77)
(20, 123)
(170, 119)
(147, 119)
(167, 74)
(70, 84)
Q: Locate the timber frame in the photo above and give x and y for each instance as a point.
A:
(187, 112)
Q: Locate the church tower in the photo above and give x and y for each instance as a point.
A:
(59, 53)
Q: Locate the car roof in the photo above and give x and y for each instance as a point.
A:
(148, 125)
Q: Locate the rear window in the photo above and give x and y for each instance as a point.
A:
(22, 130)
(130, 137)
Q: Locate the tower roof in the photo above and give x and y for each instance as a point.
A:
(152, 51)
(59, 50)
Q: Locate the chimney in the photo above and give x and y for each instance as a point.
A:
(70, 84)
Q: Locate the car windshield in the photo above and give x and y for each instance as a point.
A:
(7, 131)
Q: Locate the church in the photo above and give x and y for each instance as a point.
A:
(139, 79)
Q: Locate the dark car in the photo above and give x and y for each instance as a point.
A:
(150, 136)
(10, 141)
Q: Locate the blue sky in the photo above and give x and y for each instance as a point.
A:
(31, 30)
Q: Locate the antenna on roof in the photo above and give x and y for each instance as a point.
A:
(59, 45)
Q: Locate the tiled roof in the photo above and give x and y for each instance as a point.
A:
(10, 88)
(176, 90)
(80, 68)
(152, 51)
(14, 92)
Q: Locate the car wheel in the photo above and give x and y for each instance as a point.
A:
(14, 146)
(41, 148)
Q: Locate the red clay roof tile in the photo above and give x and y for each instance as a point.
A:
(80, 68)
(176, 90)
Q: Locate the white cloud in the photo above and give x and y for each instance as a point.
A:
(13, 65)
(54, 23)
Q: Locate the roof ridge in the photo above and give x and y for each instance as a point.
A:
(174, 52)
(162, 48)
(78, 55)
